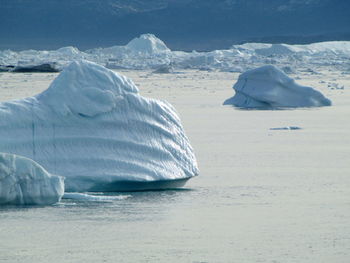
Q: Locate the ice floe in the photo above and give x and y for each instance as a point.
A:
(94, 197)
(24, 182)
(269, 87)
(92, 127)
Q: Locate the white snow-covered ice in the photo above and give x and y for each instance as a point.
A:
(147, 43)
(94, 198)
(149, 52)
(92, 127)
(24, 182)
(269, 87)
(144, 52)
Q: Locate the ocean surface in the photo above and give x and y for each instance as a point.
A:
(264, 193)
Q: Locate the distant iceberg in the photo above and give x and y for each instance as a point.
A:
(278, 50)
(269, 87)
(147, 43)
(92, 127)
(24, 182)
(144, 52)
(320, 49)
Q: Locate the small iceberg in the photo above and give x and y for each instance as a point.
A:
(287, 128)
(269, 87)
(24, 182)
(92, 127)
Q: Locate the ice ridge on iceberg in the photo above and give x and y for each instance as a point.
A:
(92, 127)
(24, 182)
(269, 87)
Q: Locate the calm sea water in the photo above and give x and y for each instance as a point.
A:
(277, 212)
(262, 196)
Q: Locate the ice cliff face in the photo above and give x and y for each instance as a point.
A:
(92, 127)
(268, 87)
(24, 182)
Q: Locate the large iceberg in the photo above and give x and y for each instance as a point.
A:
(24, 182)
(269, 87)
(92, 127)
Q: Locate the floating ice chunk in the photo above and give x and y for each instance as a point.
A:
(286, 128)
(98, 198)
(268, 87)
(24, 182)
(92, 127)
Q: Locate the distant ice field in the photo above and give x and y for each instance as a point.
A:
(147, 52)
(266, 192)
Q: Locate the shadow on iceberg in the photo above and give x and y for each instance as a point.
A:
(132, 186)
(269, 88)
(92, 127)
(46, 67)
